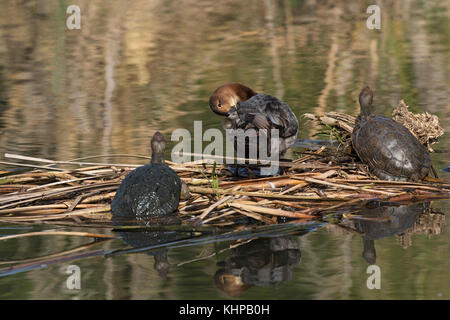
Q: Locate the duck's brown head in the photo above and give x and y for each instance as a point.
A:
(228, 96)
(365, 101)
(158, 145)
(229, 283)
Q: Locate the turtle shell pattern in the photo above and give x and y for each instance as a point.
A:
(149, 190)
(389, 149)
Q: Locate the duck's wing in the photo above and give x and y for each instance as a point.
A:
(267, 112)
(260, 121)
(279, 113)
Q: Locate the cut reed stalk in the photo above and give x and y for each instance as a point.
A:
(57, 233)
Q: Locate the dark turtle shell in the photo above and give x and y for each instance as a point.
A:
(389, 149)
(150, 190)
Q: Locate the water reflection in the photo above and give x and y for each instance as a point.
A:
(150, 65)
(385, 221)
(241, 262)
(145, 65)
(148, 238)
(260, 262)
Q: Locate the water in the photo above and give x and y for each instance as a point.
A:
(143, 66)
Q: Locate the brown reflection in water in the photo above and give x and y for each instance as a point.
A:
(138, 66)
(261, 262)
(145, 65)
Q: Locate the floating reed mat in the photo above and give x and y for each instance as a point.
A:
(317, 183)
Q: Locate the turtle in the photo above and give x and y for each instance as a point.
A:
(151, 190)
(388, 148)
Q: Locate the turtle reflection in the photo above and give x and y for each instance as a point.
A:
(149, 238)
(260, 262)
(400, 219)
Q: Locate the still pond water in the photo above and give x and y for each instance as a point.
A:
(140, 66)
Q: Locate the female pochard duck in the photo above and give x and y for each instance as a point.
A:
(245, 109)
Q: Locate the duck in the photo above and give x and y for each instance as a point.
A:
(152, 190)
(246, 109)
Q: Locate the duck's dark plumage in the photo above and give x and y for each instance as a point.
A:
(246, 109)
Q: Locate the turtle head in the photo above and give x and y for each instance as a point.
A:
(369, 254)
(365, 101)
(158, 145)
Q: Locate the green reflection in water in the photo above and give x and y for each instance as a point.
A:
(151, 65)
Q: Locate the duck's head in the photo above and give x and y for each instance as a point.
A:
(158, 145)
(226, 97)
(229, 283)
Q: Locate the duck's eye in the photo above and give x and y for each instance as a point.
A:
(219, 105)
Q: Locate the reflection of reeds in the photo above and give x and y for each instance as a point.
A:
(428, 223)
(172, 54)
(167, 57)
(44, 261)
(274, 52)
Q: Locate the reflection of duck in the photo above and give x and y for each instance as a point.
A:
(246, 109)
(401, 219)
(261, 262)
(150, 190)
